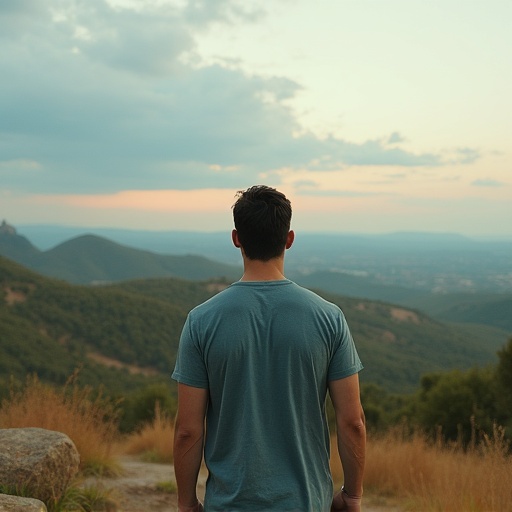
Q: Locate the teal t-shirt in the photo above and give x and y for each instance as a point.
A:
(266, 350)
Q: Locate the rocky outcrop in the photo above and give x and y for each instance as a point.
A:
(36, 462)
(7, 230)
(16, 504)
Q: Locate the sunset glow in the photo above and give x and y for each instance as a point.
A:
(390, 115)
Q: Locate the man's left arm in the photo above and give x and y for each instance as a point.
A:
(188, 444)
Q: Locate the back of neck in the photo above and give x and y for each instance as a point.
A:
(257, 270)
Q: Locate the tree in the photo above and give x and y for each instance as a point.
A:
(139, 406)
(456, 402)
(504, 380)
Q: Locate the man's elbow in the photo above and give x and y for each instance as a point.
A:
(187, 439)
(357, 428)
(355, 423)
(186, 433)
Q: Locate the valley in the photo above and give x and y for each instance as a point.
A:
(116, 311)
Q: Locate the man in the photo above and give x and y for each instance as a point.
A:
(256, 361)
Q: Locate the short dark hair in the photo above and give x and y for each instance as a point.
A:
(262, 217)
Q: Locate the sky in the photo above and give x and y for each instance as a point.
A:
(371, 116)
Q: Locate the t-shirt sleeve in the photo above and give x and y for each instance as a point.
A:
(345, 359)
(190, 368)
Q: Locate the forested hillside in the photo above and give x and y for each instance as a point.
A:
(50, 327)
(488, 309)
(129, 332)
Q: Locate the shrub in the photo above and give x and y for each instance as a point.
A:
(138, 407)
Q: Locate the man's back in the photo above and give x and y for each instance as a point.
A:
(266, 351)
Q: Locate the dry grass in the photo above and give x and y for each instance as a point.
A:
(434, 478)
(90, 422)
(154, 441)
(422, 475)
(419, 474)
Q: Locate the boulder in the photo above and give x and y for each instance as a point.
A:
(16, 504)
(36, 462)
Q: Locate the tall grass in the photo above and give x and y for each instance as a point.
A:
(154, 441)
(435, 477)
(420, 473)
(408, 468)
(90, 420)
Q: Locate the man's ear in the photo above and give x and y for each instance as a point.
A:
(289, 239)
(234, 238)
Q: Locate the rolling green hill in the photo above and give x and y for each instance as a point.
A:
(50, 327)
(398, 345)
(92, 259)
(128, 332)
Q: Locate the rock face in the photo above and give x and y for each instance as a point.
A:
(38, 462)
(15, 504)
(7, 230)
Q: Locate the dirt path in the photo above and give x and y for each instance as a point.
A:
(137, 489)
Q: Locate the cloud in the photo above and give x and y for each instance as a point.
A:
(395, 138)
(205, 11)
(337, 193)
(467, 155)
(107, 99)
(309, 188)
(487, 183)
(374, 152)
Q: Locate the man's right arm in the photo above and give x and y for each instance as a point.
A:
(351, 437)
(188, 444)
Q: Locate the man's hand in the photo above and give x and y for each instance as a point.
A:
(198, 507)
(342, 502)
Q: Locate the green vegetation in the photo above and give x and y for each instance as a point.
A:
(76, 498)
(399, 345)
(486, 309)
(187, 294)
(453, 405)
(504, 380)
(124, 338)
(49, 327)
(138, 407)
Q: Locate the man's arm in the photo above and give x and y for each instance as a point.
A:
(351, 436)
(188, 444)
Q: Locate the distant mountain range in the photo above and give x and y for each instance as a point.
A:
(354, 266)
(440, 263)
(90, 259)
